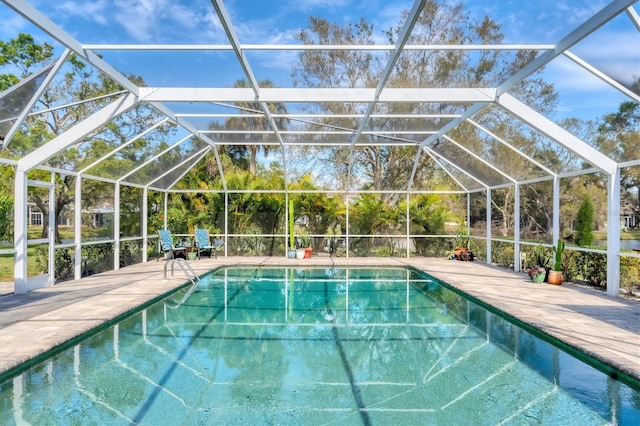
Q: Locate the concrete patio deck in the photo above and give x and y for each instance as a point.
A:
(606, 328)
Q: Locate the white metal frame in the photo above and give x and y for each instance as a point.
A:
(477, 98)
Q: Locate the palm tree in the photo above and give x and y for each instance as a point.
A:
(252, 123)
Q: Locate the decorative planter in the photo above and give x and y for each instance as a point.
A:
(192, 256)
(300, 253)
(291, 254)
(538, 277)
(555, 277)
(463, 253)
(307, 253)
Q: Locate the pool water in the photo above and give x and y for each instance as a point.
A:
(286, 346)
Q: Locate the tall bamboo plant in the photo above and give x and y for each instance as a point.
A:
(292, 245)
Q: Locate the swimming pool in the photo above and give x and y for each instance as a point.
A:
(315, 346)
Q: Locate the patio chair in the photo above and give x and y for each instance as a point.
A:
(203, 243)
(165, 243)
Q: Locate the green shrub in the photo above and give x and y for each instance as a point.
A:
(63, 262)
(592, 268)
(99, 258)
(630, 273)
(584, 223)
(570, 265)
(130, 253)
(502, 253)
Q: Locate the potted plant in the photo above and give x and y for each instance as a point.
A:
(555, 276)
(462, 250)
(305, 241)
(291, 253)
(542, 261)
(537, 274)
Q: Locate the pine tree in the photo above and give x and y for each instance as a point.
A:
(584, 223)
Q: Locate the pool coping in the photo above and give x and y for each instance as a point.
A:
(605, 328)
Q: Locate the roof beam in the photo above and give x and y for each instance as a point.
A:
(511, 147)
(557, 133)
(596, 21)
(403, 37)
(349, 47)
(412, 17)
(254, 114)
(45, 24)
(633, 15)
(454, 123)
(306, 95)
(49, 72)
(465, 172)
(278, 135)
(431, 155)
(197, 160)
(154, 158)
(235, 43)
(444, 129)
(194, 131)
(124, 145)
(77, 132)
(602, 76)
(193, 159)
(480, 159)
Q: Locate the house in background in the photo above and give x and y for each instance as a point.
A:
(95, 217)
(629, 215)
(101, 216)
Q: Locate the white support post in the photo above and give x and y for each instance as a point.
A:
(77, 268)
(288, 226)
(166, 210)
(613, 234)
(20, 232)
(488, 259)
(556, 210)
(347, 231)
(408, 227)
(52, 231)
(226, 222)
(517, 262)
(145, 225)
(468, 216)
(116, 228)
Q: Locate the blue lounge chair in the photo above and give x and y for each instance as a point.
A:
(165, 243)
(204, 244)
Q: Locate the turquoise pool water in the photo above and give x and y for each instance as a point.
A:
(315, 347)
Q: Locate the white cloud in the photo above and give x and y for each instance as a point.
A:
(581, 94)
(146, 20)
(94, 11)
(12, 24)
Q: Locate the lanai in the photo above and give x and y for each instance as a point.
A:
(431, 115)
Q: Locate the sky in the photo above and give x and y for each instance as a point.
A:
(615, 48)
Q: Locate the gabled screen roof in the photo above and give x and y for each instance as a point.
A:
(316, 81)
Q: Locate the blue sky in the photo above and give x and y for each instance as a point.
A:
(615, 48)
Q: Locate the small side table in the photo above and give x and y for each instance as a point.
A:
(182, 252)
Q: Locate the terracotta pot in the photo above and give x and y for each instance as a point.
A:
(555, 277)
(307, 253)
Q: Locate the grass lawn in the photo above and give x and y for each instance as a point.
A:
(630, 235)
(35, 232)
(7, 265)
